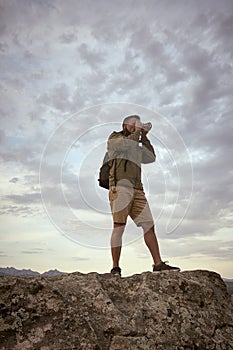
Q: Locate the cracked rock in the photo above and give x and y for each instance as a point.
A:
(175, 310)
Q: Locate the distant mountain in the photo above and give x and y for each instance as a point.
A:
(228, 280)
(53, 273)
(11, 271)
(229, 284)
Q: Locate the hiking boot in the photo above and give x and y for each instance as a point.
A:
(116, 271)
(163, 266)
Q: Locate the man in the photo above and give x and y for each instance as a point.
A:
(127, 150)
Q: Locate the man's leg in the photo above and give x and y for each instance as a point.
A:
(142, 216)
(116, 243)
(152, 242)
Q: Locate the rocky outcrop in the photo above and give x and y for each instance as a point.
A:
(184, 310)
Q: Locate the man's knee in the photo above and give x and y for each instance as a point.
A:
(118, 228)
(147, 226)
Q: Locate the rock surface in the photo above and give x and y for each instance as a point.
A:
(185, 310)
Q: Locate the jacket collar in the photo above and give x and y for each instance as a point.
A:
(125, 132)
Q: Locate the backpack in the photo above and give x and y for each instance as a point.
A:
(104, 173)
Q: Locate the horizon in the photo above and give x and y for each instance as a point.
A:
(70, 73)
(65, 272)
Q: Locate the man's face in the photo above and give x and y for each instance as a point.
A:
(130, 126)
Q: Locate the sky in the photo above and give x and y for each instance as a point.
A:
(70, 71)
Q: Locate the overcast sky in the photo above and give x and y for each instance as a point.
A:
(70, 72)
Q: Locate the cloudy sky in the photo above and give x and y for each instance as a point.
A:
(70, 71)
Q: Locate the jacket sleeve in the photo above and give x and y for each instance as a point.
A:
(148, 153)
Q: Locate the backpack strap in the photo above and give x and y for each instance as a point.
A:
(114, 162)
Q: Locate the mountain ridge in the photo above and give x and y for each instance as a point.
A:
(12, 271)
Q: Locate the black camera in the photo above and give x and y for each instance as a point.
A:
(147, 126)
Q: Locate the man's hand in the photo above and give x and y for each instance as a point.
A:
(144, 132)
(138, 125)
(146, 128)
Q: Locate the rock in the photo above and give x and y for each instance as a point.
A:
(168, 310)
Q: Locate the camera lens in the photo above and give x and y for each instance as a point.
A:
(147, 126)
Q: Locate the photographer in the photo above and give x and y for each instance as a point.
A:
(127, 150)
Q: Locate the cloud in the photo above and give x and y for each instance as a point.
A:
(200, 247)
(2, 136)
(68, 37)
(77, 258)
(195, 248)
(14, 180)
(27, 198)
(33, 251)
(92, 57)
(21, 209)
(3, 254)
(58, 98)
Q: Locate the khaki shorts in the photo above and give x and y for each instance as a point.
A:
(127, 201)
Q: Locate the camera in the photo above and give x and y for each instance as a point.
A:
(147, 126)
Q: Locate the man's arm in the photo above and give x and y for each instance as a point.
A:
(148, 152)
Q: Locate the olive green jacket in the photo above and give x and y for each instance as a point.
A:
(126, 155)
